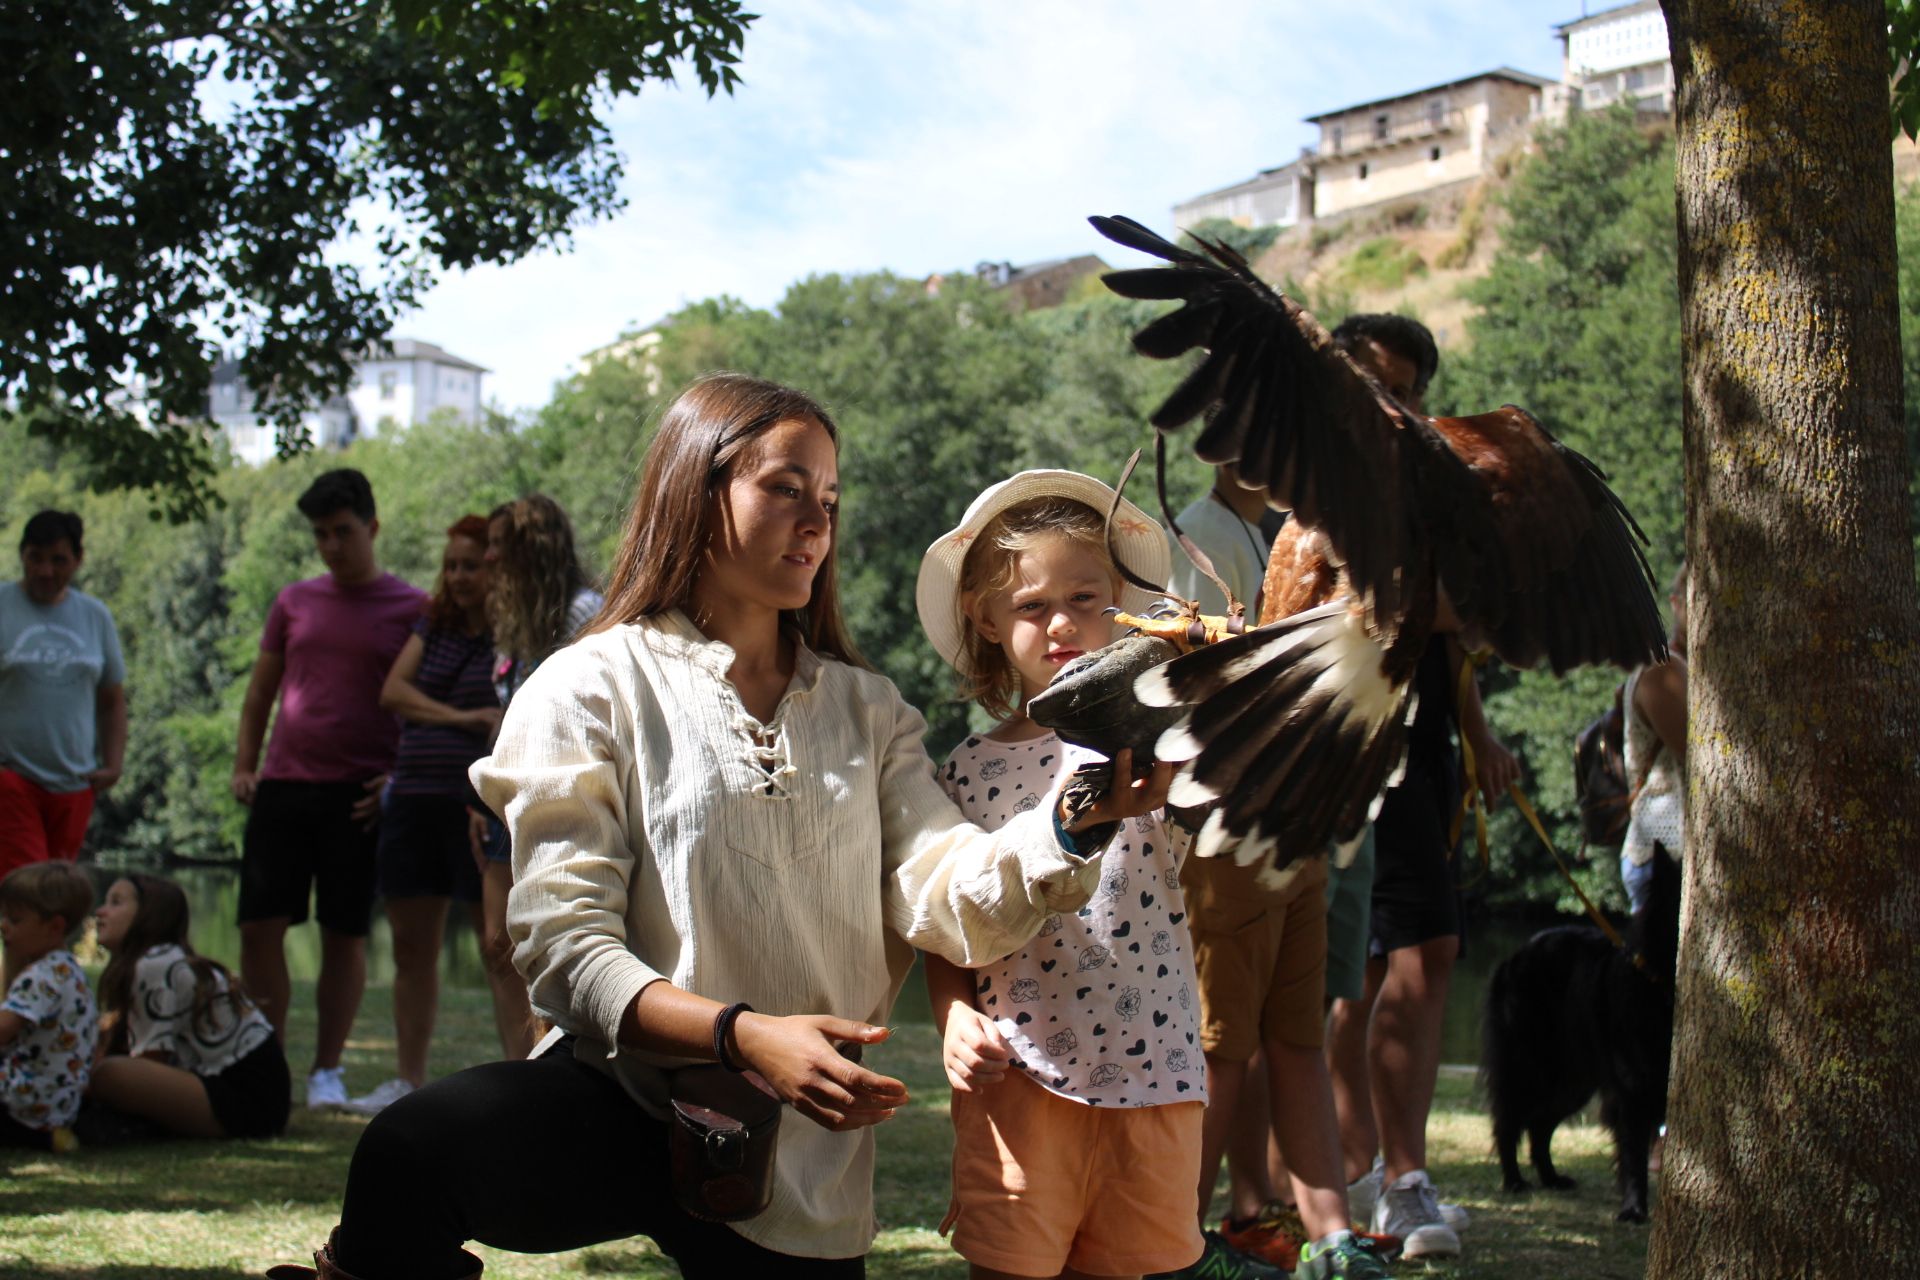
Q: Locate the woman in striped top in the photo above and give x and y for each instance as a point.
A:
(442, 686)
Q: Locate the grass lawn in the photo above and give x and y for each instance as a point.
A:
(212, 1211)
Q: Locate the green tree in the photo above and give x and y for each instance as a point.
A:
(1579, 321)
(1248, 242)
(182, 173)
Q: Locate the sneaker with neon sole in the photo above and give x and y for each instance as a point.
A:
(1342, 1254)
(1221, 1261)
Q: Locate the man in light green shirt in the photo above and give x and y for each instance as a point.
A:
(1224, 523)
(63, 711)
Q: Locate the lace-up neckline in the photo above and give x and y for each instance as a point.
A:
(769, 749)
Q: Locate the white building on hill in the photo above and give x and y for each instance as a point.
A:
(1619, 54)
(1280, 196)
(399, 385)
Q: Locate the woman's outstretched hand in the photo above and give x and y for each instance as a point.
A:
(1128, 797)
(800, 1060)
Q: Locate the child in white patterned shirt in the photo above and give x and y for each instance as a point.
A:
(48, 1024)
(1078, 1080)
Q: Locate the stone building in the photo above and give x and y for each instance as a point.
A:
(1414, 143)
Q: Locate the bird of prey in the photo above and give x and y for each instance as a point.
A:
(1292, 730)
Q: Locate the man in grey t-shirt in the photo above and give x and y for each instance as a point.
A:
(63, 707)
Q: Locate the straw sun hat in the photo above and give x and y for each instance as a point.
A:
(1138, 540)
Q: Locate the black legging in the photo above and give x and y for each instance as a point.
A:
(533, 1157)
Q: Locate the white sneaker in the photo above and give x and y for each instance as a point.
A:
(1408, 1208)
(326, 1087)
(1364, 1192)
(379, 1099)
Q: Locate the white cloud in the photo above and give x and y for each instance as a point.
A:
(927, 135)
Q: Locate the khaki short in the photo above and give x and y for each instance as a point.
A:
(1042, 1183)
(1261, 960)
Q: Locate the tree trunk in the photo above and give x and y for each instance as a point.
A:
(1794, 1130)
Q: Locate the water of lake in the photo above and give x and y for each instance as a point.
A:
(214, 894)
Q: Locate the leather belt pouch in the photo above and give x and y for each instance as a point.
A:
(725, 1126)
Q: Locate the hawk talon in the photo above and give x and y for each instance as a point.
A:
(1188, 628)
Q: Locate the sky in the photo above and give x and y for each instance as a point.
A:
(917, 136)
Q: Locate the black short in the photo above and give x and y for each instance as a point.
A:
(251, 1097)
(1416, 896)
(533, 1156)
(302, 840)
(424, 851)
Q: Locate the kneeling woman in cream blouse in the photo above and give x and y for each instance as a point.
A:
(711, 801)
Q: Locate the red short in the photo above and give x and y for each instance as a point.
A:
(37, 824)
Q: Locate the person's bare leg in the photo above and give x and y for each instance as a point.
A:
(512, 1013)
(343, 979)
(419, 925)
(1303, 1122)
(1347, 1029)
(1249, 1185)
(1278, 1175)
(1404, 1049)
(167, 1095)
(263, 968)
(978, 1272)
(1224, 1079)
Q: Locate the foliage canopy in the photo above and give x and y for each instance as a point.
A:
(187, 171)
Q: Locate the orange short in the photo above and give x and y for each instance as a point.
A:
(1042, 1183)
(1261, 961)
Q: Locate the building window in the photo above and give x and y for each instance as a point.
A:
(1382, 127)
(1339, 132)
(1437, 112)
(387, 382)
(1433, 153)
(1636, 78)
(1363, 171)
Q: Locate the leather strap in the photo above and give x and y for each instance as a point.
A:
(722, 1025)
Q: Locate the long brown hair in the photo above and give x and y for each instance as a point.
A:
(703, 432)
(537, 577)
(161, 920)
(442, 613)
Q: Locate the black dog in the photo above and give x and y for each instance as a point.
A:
(1570, 1014)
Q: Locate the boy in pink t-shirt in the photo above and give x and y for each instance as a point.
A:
(315, 806)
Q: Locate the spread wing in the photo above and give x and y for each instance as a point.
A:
(1566, 577)
(1534, 551)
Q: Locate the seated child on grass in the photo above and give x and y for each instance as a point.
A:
(48, 1023)
(185, 1047)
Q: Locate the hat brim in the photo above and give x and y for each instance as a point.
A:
(1138, 539)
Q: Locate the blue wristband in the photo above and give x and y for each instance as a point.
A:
(1082, 844)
